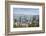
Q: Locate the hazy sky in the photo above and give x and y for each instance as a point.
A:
(26, 11)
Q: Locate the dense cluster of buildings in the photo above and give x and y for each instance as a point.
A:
(26, 20)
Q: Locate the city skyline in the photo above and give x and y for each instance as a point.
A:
(26, 17)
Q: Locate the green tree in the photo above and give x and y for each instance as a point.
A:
(33, 22)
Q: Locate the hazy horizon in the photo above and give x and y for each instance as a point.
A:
(25, 11)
